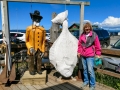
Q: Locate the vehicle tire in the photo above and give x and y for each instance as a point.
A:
(104, 45)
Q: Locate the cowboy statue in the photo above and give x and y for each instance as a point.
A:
(35, 42)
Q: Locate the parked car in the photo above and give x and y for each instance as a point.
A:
(103, 36)
(48, 36)
(112, 63)
(116, 45)
(14, 37)
(20, 36)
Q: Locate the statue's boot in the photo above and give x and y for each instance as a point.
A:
(31, 65)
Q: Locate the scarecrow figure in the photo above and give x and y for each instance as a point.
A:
(35, 42)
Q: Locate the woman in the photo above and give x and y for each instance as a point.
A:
(88, 48)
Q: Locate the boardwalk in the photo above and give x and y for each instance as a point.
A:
(53, 83)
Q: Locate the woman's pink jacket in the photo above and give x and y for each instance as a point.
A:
(92, 50)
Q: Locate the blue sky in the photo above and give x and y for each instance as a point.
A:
(105, 13)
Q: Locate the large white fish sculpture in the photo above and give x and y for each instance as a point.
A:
(63, 53)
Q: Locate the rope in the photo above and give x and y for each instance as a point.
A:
(31, 12)
(17, 19)
(31, 5)
(65, 4)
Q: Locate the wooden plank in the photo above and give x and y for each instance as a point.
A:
(30, 87)
(1, 88)
(28, 76)
(70, 86)
(76, 83)
(108, 73)
(54, 87)
(111, 52)
(79, 83)
(45, 87)
(6, 88)
(38, 87)
(58, 84)
(34, 79)
(14, 87)
(53, 1)
(100, 86)
(22, 87)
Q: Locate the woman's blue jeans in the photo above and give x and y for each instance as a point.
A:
(88, 71)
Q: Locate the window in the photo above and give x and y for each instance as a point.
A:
(1, 36)
(12, 34)
(19, 35)
(117, 44)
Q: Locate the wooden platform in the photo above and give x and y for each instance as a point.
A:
(37, 79)
(53, 84)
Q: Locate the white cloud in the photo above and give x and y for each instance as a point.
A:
(110, 22)
(86, 21)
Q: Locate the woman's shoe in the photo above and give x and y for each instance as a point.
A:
(83, 86)
(92, 88)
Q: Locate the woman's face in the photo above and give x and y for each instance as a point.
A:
(87, 29)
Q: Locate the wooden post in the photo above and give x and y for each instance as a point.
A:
(6, 29)
(54, 30)
(81, 18)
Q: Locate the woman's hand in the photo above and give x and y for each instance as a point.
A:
(97, 56)
(78, 54)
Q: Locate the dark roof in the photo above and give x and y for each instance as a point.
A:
(75, 28)
(78, 24)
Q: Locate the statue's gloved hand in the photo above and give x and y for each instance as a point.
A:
(32, 50)
(41, 55)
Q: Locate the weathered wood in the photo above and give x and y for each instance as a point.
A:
(54, 87)
(22, 87)
(45, 87)
(30, 87)
(81, 18)
(6, 31)
(58, 84)
(37, 79)
(38, 87)
(111, 52)
(6, 88)
(54, 30)
(1, 88)
(14, 87)
(108, 73)
(52, 1)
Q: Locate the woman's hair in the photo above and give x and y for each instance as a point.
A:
(87, 25)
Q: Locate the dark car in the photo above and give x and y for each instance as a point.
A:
(103, 36)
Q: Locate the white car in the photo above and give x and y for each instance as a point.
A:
(21, 36)
(18, 35)
(48, 36)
